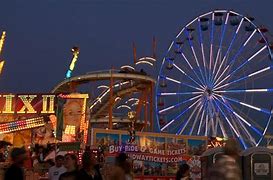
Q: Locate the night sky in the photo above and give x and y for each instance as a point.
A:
(40, 34)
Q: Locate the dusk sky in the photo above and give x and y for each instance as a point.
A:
(40, 34)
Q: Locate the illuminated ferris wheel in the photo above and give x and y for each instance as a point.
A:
(216, 79)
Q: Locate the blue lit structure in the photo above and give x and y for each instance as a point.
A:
(216, 79)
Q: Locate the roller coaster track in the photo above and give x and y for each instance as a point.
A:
(102, 108)
(64, 86)
(132, 82)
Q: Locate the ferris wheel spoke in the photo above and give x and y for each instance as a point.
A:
(181, 114)
(240, 119)
(230, 125)
(265, 130)
(252, 127)
(211, 47)
(258, 128)
(194, 55)
(178, 93)
(177, 105)
(230, 64)
(173, 80)
(202, 49)
(242, 65)
(243, 78)
(229, 48)
(181, 83)
(214, 123)
(189, 64)
(222, 127)
(242, 47)
(263, 110)
(206, 124)
(240, 129)
(245, 90)
(201, 120)
(188, 76)
(194, 87)
(184, 125)
(220, 45)
(210, 120)
(211, 124)
(217, 122)
(249, 136)
(196, 118)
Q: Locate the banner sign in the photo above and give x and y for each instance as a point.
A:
(153, 154)
(157, 158)
(27, 103)
(145, 153)
(152, 144)
(143, 149)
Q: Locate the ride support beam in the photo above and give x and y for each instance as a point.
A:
(72, 87)
(146, 108)
(151, 107)
(110, 124)
(140, 104)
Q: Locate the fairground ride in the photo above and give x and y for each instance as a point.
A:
(122, 99)
(216, 79)
(122, 85)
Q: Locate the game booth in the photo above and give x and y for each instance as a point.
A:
(49, 123)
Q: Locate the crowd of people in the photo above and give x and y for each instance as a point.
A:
(67, 167)
(226, 167)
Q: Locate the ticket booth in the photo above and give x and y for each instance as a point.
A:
(258, 163)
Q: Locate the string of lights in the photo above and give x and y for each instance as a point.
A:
(21, 125)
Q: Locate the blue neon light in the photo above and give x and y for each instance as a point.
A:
(68, 74)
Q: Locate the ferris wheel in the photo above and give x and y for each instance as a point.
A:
(216, 79)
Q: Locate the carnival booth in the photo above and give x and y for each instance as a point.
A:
(258, 163)
(42, 124)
